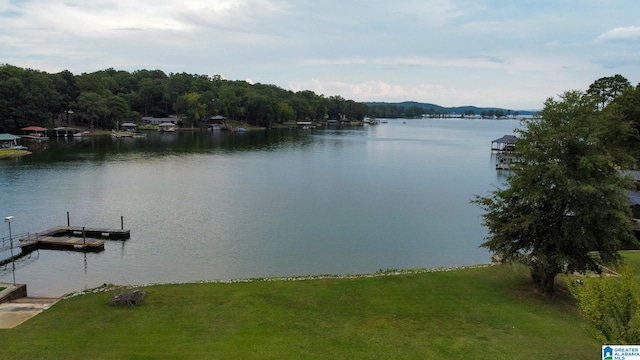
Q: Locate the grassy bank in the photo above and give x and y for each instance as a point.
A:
(480, 313)
(13, 153)
(632, 258)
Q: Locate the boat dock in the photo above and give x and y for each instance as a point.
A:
(64, 241)
(119, 234)
(74, 237)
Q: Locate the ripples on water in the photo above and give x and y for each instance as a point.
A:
(206, 206)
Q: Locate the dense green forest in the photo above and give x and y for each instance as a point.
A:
(105, 98)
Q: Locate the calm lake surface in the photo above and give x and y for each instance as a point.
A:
(215, 206)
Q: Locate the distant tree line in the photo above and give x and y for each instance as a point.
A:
(395, 111)
(105, 98)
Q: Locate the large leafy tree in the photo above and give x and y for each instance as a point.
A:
(190, 107)
(566, 198)
(118, 111)
(91, 108)
(65, 84)
(12, 94)
(607, 88)
(627, 105)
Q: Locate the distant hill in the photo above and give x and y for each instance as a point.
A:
(433, 108)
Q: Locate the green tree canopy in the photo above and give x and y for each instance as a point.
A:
(607, 88)
(627, 105)
(190, 107)
(118, 111)
(29, 97)
(565, 197)
(91, 108)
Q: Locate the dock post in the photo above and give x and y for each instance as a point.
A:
(84, 237)
(68, 219)
(121, 222)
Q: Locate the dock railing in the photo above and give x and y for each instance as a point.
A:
(5, 242)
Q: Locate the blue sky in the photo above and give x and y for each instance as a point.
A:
(511, 54)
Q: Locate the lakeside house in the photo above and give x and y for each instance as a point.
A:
(157, 121)
(634, 194)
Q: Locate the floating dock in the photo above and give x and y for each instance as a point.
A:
(115, 234)
(82, 238)
(65, 241)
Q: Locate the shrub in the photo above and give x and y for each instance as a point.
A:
(611, 305)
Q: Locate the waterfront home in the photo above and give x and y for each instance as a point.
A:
(157, 121)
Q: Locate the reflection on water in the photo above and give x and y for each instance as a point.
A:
(205, 206)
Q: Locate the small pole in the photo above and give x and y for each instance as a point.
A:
(13, 262)
(121, 222)
(8, 220)
(84, 238)
(68, 219)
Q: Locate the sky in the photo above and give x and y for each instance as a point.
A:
(501, 53)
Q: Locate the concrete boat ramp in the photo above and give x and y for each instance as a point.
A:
(16, 307)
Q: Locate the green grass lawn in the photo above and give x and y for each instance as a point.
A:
(632, 259)
(479, 313)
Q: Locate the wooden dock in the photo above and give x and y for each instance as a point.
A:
(67, 241)
(116, 234)
(74, 237)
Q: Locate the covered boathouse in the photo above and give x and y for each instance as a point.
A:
(506, 143)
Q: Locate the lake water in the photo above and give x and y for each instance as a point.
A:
(215, 206)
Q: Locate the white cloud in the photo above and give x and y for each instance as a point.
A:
(629, 33)
(366, 91)
(452, 94)
(449, 51)
(517, 61)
